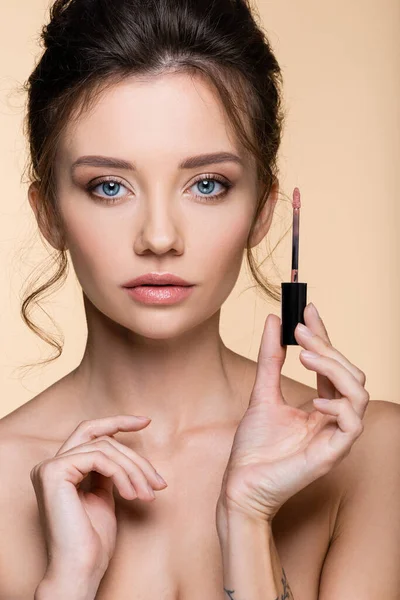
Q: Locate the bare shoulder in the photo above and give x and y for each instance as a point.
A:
(368, 516)
(30, 434)
(20, 450)
(377, 448)
(19, 453)
(48, 417)
(369, 472)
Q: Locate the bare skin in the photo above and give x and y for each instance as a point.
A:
(168, 548)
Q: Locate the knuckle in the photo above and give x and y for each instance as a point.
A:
(132, 472)
(99, 455)
(361, 377)
(364, 397)
(42, 467)
(104, 444)
(359, 429)
(104, 437)
(42, 470)
(325, 344)
(272, 359)
(33, 473)
(146, 462)
(101, 458)
(87, 426)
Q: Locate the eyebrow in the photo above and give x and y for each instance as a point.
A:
(188, 163)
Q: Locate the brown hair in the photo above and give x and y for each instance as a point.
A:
(90, 45)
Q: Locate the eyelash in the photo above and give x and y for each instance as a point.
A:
(207, 199)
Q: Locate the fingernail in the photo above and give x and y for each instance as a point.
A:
(144, 418)
(160, 479)
(314, 309)
(303, 329)
(308, 354)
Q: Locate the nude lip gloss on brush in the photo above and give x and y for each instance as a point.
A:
(294, 294)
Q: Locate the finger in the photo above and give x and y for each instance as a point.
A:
(143, 489)
(271, 357)
(89, 430)
(75, 468)
(350, 426)
(342, 379)
(146, 466)
(314, 322)
(315, 343)
(147, 471)
(313, 319)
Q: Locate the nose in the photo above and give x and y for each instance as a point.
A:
(160, 230)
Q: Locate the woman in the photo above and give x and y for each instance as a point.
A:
(154, 129)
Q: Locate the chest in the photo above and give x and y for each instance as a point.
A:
(181, 559)
(169, 548)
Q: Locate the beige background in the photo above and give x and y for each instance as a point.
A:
(341, 146)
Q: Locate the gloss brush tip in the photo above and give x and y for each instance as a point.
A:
(296, 198)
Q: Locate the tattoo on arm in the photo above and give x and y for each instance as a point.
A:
(287, 592)
(286, 595)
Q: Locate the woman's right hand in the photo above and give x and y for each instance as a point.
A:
(80, 527)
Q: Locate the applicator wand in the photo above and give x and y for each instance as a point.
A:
(294, 294)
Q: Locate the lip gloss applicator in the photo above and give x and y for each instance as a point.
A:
(294, 294)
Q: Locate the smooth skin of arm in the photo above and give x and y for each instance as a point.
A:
(72, 588)
(251, 561)
(363, 560)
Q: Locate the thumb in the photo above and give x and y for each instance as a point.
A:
(271, 357)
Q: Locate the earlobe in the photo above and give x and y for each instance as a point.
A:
(46, 230)
(265, 217)
(33, 197)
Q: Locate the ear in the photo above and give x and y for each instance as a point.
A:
(265, 217)
(48, 230)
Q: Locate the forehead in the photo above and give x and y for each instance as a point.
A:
(169, 116)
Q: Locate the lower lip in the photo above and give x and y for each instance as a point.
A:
(160, 294)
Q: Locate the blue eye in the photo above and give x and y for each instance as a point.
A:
(112, 186)
(204, 181)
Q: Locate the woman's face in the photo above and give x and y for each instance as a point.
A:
(155, 216)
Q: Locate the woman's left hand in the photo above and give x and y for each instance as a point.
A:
(279, 449)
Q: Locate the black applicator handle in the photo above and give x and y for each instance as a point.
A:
(294, 301)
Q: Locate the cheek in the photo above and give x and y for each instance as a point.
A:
(95, 246)
(221, 250)
(226, 246)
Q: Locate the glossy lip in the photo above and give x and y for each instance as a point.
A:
(160, 294)
(155, 278)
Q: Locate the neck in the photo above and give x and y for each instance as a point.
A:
(183, 381)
